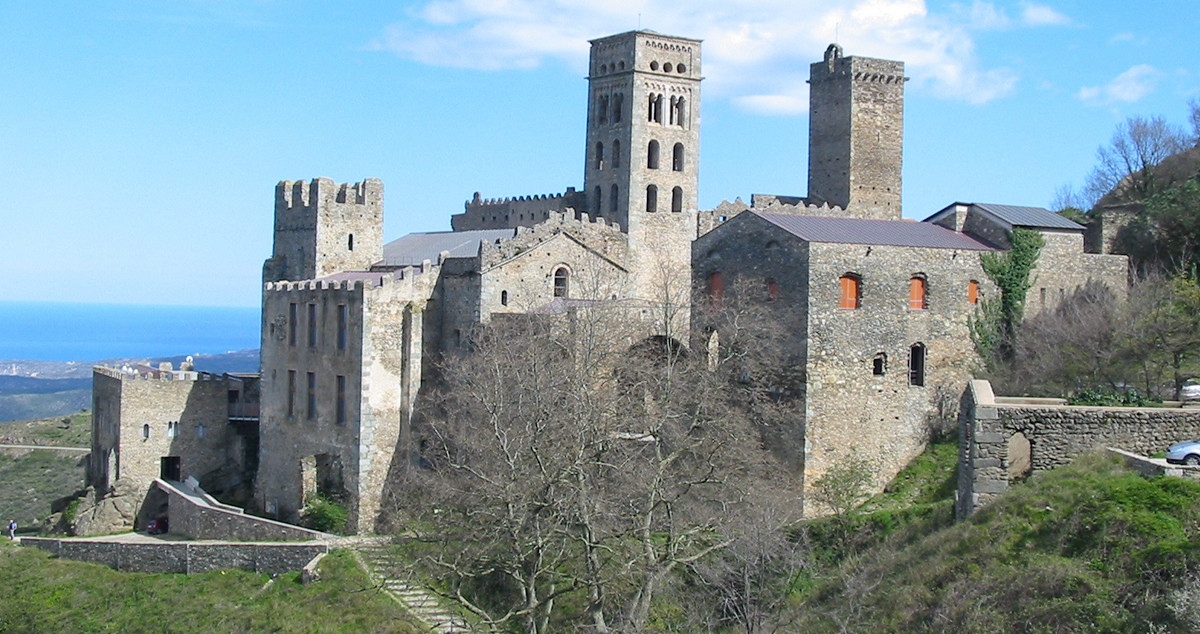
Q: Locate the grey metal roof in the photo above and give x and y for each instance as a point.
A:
(900, 233)
(413, 248)
(1029, 217)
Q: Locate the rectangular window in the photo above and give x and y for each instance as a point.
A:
(291, 392)
(341, 400)
(916, 365)
(311, 409)
(342, 316)
(916, 293)
(312, 325)
(850, 292)
(973, 292)
(292, 324)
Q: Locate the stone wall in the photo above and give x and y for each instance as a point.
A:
(1056, 435)
(182, 557)
(323, 228)
(522, 211)
(205, 521)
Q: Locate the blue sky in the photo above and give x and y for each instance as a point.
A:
(141, 141)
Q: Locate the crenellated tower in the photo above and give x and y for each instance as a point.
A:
(323, 228)
(643, 148)
(856, 134)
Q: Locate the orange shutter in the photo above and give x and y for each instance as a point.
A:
(916, 294)
(973, 292)
(849, 292)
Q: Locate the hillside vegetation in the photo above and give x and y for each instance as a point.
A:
(1091, 547)
(33, 478)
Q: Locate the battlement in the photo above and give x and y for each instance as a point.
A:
(860, 69)
(500, 213)
(306, 195)
(358, 280)
(140, 372)
(597, 233)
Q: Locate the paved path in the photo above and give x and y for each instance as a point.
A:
(44, 447)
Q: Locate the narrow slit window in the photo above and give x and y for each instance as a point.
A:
(916, 365)
(651, 199)
(342, 325)
(652, 155)
(677, 199)
(310, 410)
(677, 158)
(312, 325)
(879, 364)
(341, 400)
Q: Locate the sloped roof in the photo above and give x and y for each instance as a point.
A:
(1036, 217)
(412, 249)
(900, 233)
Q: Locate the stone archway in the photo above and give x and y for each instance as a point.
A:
(1020, 457)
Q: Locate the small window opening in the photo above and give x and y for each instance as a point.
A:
(652, 155)
(879, 364)
(146, 431)
(613, 196)
(916, 365)
(677, 158)
(651, 198)
(677, 114)
(772, 289)
(851, 292)
(312, 325)
(599, 156)
(916, 293)
(973, 292)
(602, 117)
(504, 298)
(341, 399)
(343, 317)
(677, 199)
(616, 153)
(716, 287)
(310, 410)
(617, 106)
(562, 279)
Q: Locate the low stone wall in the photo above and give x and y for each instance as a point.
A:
(1154, 467)
(199, 521)
(182, 557)
(1056, 435)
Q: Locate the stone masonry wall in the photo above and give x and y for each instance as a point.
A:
(323, 228)
(182, 557)
(852, 413)
(522, 211)
(206, 522)
(1056, 433)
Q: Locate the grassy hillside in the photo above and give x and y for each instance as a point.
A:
(44, 594)
(31, 479)
(1091, 547)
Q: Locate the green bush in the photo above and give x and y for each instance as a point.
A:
(325, 514)
(1111, 397)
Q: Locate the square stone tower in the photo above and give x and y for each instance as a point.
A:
(643, 147)
(322, 228)
(856, 134)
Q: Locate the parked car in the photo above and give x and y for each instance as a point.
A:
(1184, 453)
(1190, 391)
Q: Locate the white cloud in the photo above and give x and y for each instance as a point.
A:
(1042, 15)
(756, 52)
(1129, 86)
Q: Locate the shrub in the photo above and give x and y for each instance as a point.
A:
(325, 514)
(1111, 397)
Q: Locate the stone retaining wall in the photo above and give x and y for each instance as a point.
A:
(1056, 435)
(182, 557)
(196, 521)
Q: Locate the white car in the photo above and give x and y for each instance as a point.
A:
(1190, 391)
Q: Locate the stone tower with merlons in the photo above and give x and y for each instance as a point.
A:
(856, 134)
(643, 148)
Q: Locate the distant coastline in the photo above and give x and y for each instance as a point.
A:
(57, 331)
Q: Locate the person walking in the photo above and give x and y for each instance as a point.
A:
(12, 529)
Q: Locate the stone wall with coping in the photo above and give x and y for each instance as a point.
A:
(182, 557)
(197, 521)
(1056, 433)
(520, 211)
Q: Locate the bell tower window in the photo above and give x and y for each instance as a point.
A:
(651, 198)
(652, 155)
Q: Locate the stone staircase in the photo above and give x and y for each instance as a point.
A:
(396, 580)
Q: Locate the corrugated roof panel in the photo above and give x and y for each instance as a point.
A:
(1029, 217)
(412, 249)
(900, 233)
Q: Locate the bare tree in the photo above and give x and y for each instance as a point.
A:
(1194, 117)
(573, 453)
(1124, 167)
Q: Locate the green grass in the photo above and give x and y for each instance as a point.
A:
(44, 594)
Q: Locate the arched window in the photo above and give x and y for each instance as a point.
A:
(616, 153)
(613, 197)
(599, 155)
(851, 291)
(562, 280)
(671, 112)
(879, 364)
(602, 116)
(677, 158)
(677, 117)
(146, 431)
(350, 242)
(651, 198)
(652, 155)
(618, 103)
(772, 289)
(973, 292)
(716, 287)
(916, 293)
(916, 364)
(504, 298)
(599, 201)
(655, 108)
(677, 199)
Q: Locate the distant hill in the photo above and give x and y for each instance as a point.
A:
(45, 389)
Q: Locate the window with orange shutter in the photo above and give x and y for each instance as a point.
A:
(850, 292)
(916, 293)
(973, 292)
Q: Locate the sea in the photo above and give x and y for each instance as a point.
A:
(51, 331)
